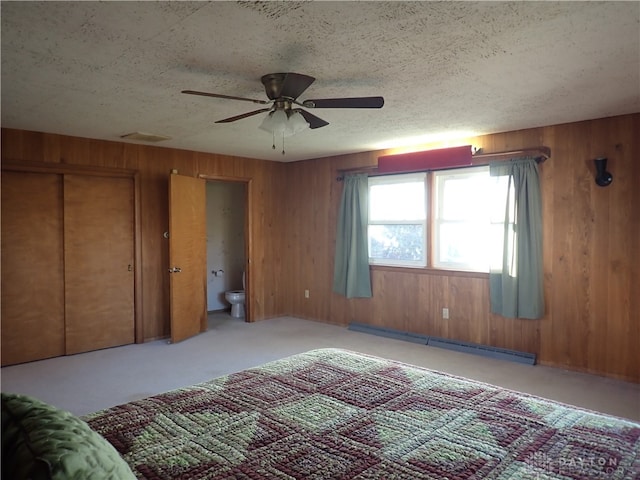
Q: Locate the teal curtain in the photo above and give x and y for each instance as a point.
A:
(516, 285)
(351, 276)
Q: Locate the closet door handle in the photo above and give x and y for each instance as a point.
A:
(175, 270)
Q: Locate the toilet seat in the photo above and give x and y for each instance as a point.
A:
(236, 299)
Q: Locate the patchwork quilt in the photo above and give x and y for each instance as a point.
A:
(335, 414)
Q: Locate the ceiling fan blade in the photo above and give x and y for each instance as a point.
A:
(244, 115)
(229, 97)
(354, 102)
(312, 120)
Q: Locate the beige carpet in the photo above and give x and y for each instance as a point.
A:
(91, 381)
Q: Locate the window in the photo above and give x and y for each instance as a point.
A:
(398, 220)
(465, 218)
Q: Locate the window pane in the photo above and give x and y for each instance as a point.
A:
(464, 246)
(397, 201)
(403, 243)
(498, 190)
(497, 241)
(467, 202)
(462, 199)
(463, 195)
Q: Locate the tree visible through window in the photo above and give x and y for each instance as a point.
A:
(397, 220)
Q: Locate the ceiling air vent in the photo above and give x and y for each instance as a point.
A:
(145, 137)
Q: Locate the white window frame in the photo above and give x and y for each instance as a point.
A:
(393, 179)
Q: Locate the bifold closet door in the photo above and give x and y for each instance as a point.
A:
(32, 267)
(99, 261)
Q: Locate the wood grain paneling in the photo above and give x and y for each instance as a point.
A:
(267, 209)
(591, 256)
(32, 267)
(591, 241)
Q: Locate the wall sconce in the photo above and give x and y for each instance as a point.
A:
(603, 178)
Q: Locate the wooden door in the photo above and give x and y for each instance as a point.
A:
(187, 256)
(99, 260)
(32, 267)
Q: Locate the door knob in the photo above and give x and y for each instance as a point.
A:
(175, 270)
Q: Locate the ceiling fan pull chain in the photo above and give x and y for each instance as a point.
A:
(274, 140)
(283, 143)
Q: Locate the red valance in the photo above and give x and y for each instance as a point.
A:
(438, 159)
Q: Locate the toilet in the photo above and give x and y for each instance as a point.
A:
(236, 299)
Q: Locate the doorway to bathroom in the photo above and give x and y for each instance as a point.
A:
(227, 242)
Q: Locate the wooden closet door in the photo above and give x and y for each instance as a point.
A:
(32, 267)
(99, 260)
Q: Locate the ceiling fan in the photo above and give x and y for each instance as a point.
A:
(283, 89)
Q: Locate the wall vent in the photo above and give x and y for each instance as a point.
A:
(456, 345)
(145, 137)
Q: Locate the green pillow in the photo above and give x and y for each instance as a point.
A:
(40, 441)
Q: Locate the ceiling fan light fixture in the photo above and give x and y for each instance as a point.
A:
(283, 123)
(273, 122)
(297, 122)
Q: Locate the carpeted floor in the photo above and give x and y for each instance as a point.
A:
(88, 382)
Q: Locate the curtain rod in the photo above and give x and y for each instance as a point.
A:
(540, 153)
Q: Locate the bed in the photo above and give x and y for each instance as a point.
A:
(336, 414)
(324, 414)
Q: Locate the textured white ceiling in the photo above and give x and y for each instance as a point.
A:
(445, 69)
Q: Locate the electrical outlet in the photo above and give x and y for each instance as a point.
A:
(306, 294)
(445, 313)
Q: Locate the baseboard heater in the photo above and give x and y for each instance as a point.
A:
(484, 350)
(389, 332)
(456, 345)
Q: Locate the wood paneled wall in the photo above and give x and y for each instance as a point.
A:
(154, 165)
(591, 256)
(591, 243)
